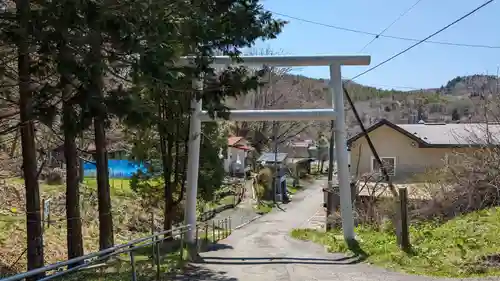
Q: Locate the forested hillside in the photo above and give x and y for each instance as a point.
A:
(462, 98)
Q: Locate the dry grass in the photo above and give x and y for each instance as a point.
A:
(130, 221)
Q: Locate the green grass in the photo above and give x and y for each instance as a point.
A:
(46, 188)
(118, 187)
(452, 249)
(7, 223)
(226, 200)
(264, 207)
(120, 269)
(292, 189)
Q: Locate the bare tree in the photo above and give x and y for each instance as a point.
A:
(280, 90)
(469, 179)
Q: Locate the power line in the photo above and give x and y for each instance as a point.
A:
(386, 36)
(423, 40)
(390, 25)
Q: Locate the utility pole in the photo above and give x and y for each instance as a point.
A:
(330, 208)
(331, 154)
(276, 173)
(275, 140)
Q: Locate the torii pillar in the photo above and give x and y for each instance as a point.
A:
(335, 112)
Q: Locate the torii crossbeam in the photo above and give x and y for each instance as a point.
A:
(335, 112)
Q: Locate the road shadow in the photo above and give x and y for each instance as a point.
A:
(281, 260)
(278, 206)
(197, 273)
(359, 253)
(217, 247)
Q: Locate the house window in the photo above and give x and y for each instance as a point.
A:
(389, 164)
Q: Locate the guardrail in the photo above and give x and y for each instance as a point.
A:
(163, 251)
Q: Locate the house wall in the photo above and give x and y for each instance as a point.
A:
(410, 159)
(232, 156)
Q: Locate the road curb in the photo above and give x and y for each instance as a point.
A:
(251, 220)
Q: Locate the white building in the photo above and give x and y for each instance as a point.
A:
(237, 151)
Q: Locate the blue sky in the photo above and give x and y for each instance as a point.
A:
(425, 66)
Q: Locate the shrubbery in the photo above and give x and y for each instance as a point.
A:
(263, 183)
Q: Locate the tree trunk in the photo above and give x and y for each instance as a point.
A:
(73, 219)
(166, 145)
(33, 215)
(181, 160)
(185, 158)
(169, 200)
(177, 160)
(106, 239)
(74, 222)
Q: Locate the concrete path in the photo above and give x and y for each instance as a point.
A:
(264, 251)
(243, 212)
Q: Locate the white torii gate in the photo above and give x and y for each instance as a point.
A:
(335, 112)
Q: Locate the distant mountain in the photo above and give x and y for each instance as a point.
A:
(474, 85)
(462, 98)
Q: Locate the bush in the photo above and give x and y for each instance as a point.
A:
(149, 187)
(469, 182)
(263, 184)
(55, 177)
(260, 191)
(265, 177)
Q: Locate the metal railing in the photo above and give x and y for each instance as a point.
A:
(150, 257)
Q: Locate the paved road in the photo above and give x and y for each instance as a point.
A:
(243, 212)
(263, 250)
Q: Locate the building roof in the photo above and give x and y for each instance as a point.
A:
(237, 142)
(231, 141)
(242, 147)
(298, 150)
(269, 157)
(442, 134)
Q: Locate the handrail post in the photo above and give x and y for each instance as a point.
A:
(213, 232)
(206, 235)
(404, 239)
(153, 238)
(197, 244)
(156, 246)
(181, 254)
(132, 264)
(218, 230)
(226, 228)
(90, 259)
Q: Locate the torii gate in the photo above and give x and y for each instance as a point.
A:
(335, 112)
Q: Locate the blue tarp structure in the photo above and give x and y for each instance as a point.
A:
(117, 168)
